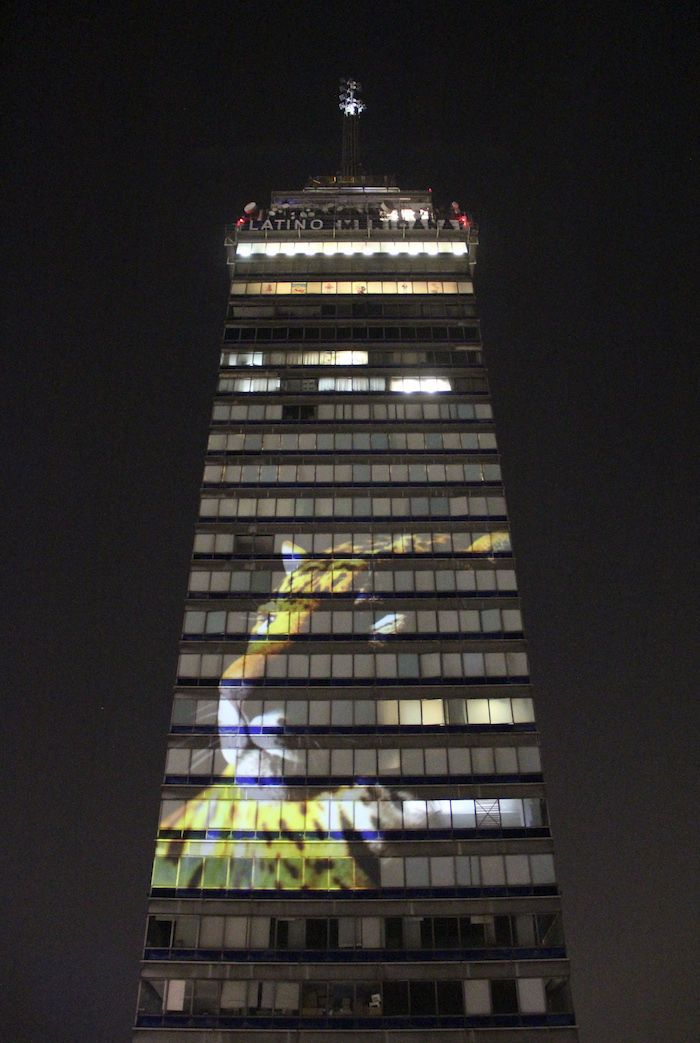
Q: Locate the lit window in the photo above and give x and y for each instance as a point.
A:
(409, 385)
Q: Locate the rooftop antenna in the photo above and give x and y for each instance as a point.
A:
(351, 107)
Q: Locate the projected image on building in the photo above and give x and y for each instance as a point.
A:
(253, 828)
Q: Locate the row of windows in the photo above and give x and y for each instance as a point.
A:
(350, 358)
(334, 1000)
(360, 308)
(298, 873)
(316, 764)
(343, 544)
(356, 442)
(332, 713)
(321, 934)
(346, 248)
(366, 666)
(407, 385)
(367, 818)
(458, 334)
(375, 579)
(451, 622)
(356, 474)
(357, 411)
(361, 286)
(295, 358)
(346, 507)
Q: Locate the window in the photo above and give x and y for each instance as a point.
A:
(458, 335)
(504, 996)
(261, 873)
(380, 665)
(256, 384)
(239, 288)
(382, 817)
(189, 713)
(523, 930)
(351, 384)
(421, 507)
(357, 474)
(409, 385)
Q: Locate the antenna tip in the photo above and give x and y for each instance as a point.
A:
(350, 105)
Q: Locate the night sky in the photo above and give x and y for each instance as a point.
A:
(134, 132)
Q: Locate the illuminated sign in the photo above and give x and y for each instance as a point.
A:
(318, 224)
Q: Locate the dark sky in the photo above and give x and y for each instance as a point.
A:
(133, 133)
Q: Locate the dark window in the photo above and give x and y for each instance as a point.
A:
(395, 997)
(449, 997)
(423, 997)
(393, 932)
(558, 997)
(282, 933)
(502, 931)
(159, 933)
(302, 412)
(151, 997)
(446, 933)
(549, 930)
(314, 1000)
(473, 935)
(317, 934)
(504, 997)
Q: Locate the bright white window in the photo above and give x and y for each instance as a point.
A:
(531, 996)
(256, 384)
(409, 385)
(477, 997)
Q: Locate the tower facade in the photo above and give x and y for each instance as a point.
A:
(354, 839)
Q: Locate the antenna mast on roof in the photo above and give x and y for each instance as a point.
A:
(351, 107)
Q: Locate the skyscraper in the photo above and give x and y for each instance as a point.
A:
(354, 835)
